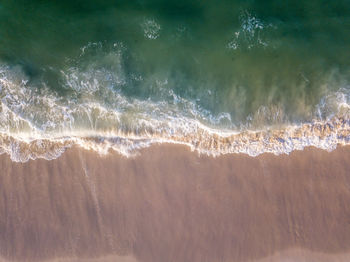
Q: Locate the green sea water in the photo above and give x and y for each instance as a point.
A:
(121, 65)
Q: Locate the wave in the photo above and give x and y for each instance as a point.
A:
(36, 122)
(325, 135)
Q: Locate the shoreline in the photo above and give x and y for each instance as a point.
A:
(326, 135)
(171, 204)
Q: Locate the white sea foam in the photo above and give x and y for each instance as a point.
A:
(151, 29)
(325, 135)
(250, 33)
(36, 123)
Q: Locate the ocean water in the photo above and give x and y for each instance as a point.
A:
(219, 76)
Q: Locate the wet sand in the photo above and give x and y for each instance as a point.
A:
(169, 204)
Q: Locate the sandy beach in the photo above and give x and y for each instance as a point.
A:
(170, 204)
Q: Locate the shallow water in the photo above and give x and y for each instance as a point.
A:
(137, 73)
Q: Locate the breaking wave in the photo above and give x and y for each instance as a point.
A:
(37, 123)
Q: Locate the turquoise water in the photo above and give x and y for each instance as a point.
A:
(126, 74)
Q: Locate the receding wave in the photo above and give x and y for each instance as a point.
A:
(37, 123)
(324, 135)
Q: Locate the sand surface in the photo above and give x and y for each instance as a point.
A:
(169, 204)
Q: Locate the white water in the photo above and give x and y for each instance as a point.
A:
(36, 123)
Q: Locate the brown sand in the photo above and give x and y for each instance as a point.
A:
(169, 204)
